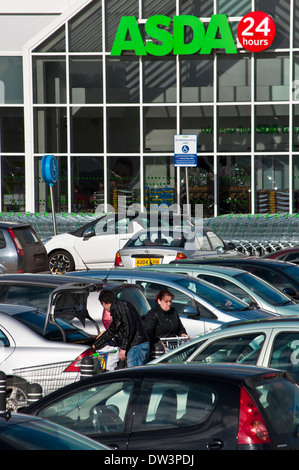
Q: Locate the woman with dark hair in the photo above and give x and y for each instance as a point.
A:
(163, 321)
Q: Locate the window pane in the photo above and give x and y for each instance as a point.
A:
(50, 130)
(199, 9)
(87, 183)
(122, 80)
(272, 77)
(234, 184)
(87, 130)
(49, 80)
(11, 80)
(196, 80)
(296, 182)
(85, 29)
(13, 183)
(159, 128)
(198, 120)
(272, 128)
(272, 183)
(114, 12)
(234, 124)
(159, 80)
(55, 43)
(156, 7)
(242, 7)
(159, 180)
(123, 130)
(86, 80)
(12, 129)
(296, 23)
(124, 181)
(234, 78)
(280, 12)
(285, 353)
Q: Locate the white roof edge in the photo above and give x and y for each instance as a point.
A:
(55, 24)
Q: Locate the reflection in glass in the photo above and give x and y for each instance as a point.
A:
(87, 129)
(159, 80)
(122, 80)
(234, 183)
(11, 80)
(272, 183)
(234, 128)
(86, 80)
(279, 10)
(272, 127)
(196, 80)
(49, 80)
(234, 78)
(159, 180)
(50, 132)
(124, 182)
(13, 183)
(87, 183)
(201, 185)
(198, 120)
(159, 128)
(123, 129)
(272, 77)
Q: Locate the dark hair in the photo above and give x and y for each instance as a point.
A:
(163, 293)
(106, 296)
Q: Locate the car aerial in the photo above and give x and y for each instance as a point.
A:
(180, 406)
(201, 306)
(94, 244)
(244, 285)
(23, 432)
(29, 354)
(280, 274)
(75, 299)
(21, 249)
(290, 254)
(162, 245)
(266, 343)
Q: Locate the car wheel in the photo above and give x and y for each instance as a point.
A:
(61, 262)
(16, 393)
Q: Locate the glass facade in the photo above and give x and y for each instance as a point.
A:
(111, 120)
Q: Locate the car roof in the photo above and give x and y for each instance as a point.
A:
(232, 261)
(6, 224)
(231, 271)
(46, 279)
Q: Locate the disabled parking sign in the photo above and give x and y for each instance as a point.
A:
(185, 150)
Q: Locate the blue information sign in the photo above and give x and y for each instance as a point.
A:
(49, 169)
(185, 150)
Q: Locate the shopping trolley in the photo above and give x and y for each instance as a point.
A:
(167, 344)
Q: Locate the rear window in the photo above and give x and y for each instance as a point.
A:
(279, 400)
(26, 236)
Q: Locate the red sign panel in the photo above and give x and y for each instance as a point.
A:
(256, 31)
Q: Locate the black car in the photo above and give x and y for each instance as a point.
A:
(182, 406)
(21, 249)
(280, 274)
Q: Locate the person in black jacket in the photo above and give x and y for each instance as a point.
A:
(163, 321)
(126, 330)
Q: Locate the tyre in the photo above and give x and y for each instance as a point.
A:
(16, 393)
(61, 262)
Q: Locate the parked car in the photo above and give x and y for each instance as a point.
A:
(160, 246)
(75, 299)
(23, 432)
(29, 354)
(266, 343)
(290, 254)
(21, 249)
(201, 306)
(280, 274)
(180, 406)
(244, 285)
(94, 244)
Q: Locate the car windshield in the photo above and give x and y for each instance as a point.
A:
(135, 297)
(35, 320)
(217, 297)
(264, 290)
(292, 271)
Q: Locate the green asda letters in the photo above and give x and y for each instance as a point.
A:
(217, 36)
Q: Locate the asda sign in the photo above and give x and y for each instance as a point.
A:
(167, 35)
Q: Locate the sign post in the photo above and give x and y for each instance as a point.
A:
(185, 155)
(49, 169)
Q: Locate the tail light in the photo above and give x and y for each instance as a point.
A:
(252, 429)
(75, 366)
(118, 261)
(17, 244)
(180, 255)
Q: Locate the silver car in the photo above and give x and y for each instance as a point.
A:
(161, 246)
(201, 305)
(242, 284)
(270, 342)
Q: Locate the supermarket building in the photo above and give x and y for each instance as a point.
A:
(106, 85)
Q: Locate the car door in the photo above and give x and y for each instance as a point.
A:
(184, 413)
(102, 411)
(283, 352)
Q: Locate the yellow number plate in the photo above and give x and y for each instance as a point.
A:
(146, 261)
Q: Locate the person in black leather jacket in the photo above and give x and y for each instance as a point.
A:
(126, 329)
(163, 321)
